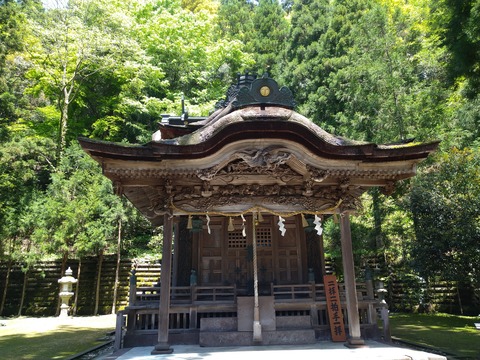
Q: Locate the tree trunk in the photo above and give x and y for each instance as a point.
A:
(62, 131)
(117, 269)
(77, 288)
(63, 104)
(459, 298)
(7, 280)
(99, 277)
(24, 290)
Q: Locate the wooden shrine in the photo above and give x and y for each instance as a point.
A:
(241, 196)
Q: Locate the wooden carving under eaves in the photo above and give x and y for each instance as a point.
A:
(271, 177)
(239, 198)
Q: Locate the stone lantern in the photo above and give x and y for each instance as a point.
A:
(66, 284)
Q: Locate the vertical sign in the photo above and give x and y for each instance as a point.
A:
(337, 327)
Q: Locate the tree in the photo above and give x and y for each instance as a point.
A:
(270, 30)
(25, 164)
(234, 20)
(316, 50)
(70, 45)
(457, 25)
(390, 90)
(195, 62)
(362, 69)
(12, 36)
(200, 5)
(262, 28)
(448, 195)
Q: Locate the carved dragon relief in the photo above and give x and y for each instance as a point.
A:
(270, 161)
(161, 198)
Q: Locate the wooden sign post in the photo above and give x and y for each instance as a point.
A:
(337, 327)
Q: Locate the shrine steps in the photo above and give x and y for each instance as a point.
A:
(151, 338)
(226, 332)
(245, 338)
(226, 338)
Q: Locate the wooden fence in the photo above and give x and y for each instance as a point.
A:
(41, 293)
(42, 288)
(442, 296)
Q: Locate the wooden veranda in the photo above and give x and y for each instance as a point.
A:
(204, 314)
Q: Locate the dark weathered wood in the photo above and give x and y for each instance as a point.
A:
(350, 283)
(163, 346)
(185, 238)
(117, 267)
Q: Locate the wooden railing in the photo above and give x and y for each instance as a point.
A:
(185, 294)
(315, 292)
(217, 294)
(189, 304)
(228, 294)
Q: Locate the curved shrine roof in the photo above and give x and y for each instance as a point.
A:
(254, 138)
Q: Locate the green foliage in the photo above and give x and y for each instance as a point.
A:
(375, 243)
(235, 20)
(79, 212)
(457, 25)
(25, 164)
(262, 27)
(318, 44)
(11, 41)
(72, 45)
(372, 82)
(268, 38)
(373, 70)
(445, 202)
(183, 42)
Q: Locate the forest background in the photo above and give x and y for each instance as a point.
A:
(375, 70)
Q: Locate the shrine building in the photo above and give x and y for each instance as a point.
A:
(241, 196)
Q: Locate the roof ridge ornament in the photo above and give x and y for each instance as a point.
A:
(252, 91)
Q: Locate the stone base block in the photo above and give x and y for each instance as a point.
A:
(218, 324)
(245, 338)
(293, 322)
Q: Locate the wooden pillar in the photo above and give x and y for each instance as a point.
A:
(175, 253)
(354, 339)
(163, 347)
(257, 327)
(322, 255)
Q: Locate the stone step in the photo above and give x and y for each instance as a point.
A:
(245, 338)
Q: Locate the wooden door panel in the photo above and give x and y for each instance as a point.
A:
(211, 272)
(211, 254)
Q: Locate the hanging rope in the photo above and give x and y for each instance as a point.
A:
(255, 208)
(257, 327)
(257, 211)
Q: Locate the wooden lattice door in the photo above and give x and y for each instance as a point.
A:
(289, 266)
(211, 254)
